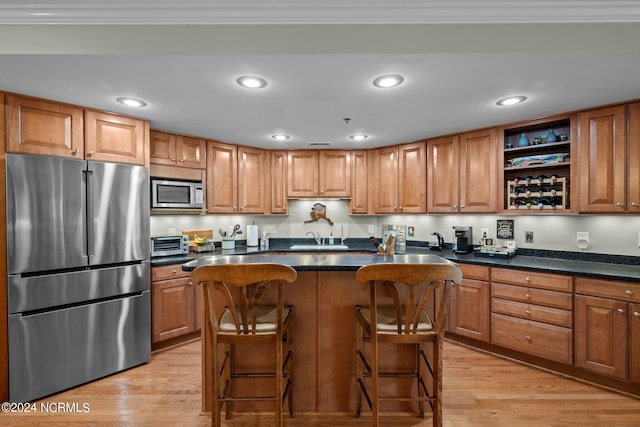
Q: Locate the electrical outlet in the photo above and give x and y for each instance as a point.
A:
(582, 235)
(270, 229)
(371, 229)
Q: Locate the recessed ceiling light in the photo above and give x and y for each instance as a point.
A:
(389, 80)
(280, 137)
(511, 100)
(251, 82)
(359, 137)
(131, 102)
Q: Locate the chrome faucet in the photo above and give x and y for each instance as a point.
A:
(316, 236)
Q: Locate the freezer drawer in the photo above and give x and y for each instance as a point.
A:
(56, 350)
(28, 293)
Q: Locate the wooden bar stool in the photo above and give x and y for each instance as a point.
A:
(411, 310)
(241, 311)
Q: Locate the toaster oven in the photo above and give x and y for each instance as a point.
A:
(169, 245)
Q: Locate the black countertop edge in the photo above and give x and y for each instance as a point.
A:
(612, 267)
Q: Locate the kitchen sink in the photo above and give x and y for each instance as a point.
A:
(318, 247)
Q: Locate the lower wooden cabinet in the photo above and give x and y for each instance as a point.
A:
(608, 328)
(175, 304)
(469, 304)
(533, 313)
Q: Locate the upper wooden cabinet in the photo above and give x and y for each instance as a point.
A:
(236, 179)
(252, 180)
(222, 177)
(278, 182)
(177, 150)
(325, 173)
(114, 138)
(602, 161)
(36, 126)
(633, 161)
(359, 179)
(399, 179)
(443, 172)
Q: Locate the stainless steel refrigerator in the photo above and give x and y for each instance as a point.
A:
(78, 272)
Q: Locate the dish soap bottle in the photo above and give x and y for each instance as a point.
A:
(331, 238)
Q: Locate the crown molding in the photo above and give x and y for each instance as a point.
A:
(166, 12)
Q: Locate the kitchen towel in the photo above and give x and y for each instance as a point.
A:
(252, 235)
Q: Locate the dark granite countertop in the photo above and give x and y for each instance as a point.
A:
(362, 253)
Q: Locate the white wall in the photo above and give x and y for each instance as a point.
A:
(612, 234)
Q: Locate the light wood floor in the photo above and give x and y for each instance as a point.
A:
(479, 390)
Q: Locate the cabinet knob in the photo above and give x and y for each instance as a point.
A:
(527, 296)
(90, 153)
(528, 338)
(455, 206)
(284, 209)
(620, 205)
(628, 292)
(634, 204)
(620, 310)
(76, 151)
(462, 206)
(180, 160)
(174, 271)
(636, 313)
(527, 279)
(527, 312)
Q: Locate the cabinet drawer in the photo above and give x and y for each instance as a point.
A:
(164, 272)
(535, 338)
(533, 312)
(532, 296)
(532, 279)
(624, 291)
(478, 272)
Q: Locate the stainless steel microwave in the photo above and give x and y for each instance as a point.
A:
(176, 194)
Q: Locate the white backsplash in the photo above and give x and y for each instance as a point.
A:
(612, 234)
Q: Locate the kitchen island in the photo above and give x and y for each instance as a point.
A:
(326, 292)
(324, 296)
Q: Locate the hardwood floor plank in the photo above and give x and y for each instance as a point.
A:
(480, 390)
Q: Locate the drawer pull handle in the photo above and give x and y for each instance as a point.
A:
(628, 292)
(527, 312)
(174, 271)
(527, 296)
(620, 310)
(636, 313)
(528, 338)
(526, 279)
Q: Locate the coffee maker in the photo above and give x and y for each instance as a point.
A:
(463, 239)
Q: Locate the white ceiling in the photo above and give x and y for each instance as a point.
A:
(319, 59)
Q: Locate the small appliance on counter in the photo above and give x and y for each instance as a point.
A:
(463, 239)
(438, 245)
(169, 245)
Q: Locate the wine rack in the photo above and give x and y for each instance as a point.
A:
(538, 193)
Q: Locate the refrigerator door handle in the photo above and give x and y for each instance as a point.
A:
(89, 178)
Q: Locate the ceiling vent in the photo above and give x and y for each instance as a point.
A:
(319, 144)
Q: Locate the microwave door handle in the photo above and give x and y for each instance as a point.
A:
(90, 214)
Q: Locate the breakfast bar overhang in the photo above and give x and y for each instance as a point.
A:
(324, 295)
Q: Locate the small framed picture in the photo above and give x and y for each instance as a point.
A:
(488, 242)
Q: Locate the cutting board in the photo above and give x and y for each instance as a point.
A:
(200, 233)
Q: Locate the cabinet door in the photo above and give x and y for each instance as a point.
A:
(222, 178)
(384, 188)
(478, 171)
(601, 335)
(634, 346)
(359, 179)
(251, 180)
(334, 173)
(278, 182)
(162, 148)
(114, 138)
(302, 173)
(633, 185)
(190, 152)
(36, 126)
(412, 178)
(601, 156)
(443, 175)
(173, 309)
(469, 309)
